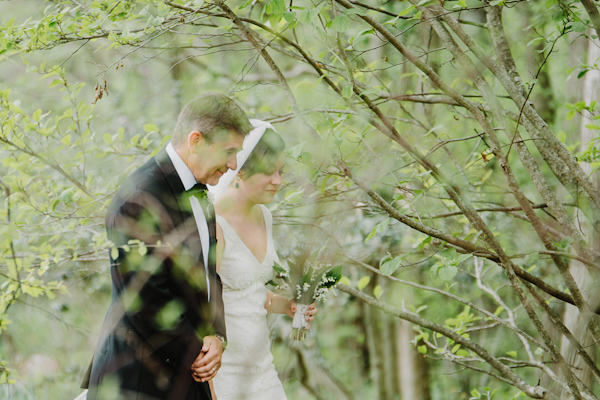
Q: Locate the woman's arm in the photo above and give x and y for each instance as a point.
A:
(220, 246)
(212, 388)
(277, 304)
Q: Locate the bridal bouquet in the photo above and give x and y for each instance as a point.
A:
(309, 282)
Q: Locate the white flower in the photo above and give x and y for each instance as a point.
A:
(210, 196)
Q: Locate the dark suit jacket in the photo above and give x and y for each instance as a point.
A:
(159, 311)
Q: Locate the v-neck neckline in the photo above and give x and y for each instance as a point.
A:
(244, 243)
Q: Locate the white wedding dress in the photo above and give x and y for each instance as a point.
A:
(247, 371)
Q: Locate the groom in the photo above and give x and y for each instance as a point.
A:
(164, 332)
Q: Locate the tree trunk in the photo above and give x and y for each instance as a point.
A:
(572, 317)
(413, 372)
(388, 349)
(375, 361)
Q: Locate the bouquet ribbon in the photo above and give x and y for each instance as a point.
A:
(300, 317)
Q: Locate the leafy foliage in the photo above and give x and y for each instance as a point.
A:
(411, 135)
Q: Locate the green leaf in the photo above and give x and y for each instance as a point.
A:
(582, 73)
(289, 17)
(340, 23)
(345, 281)
(279, 269)
(377, 292)
(422, 349)
(403, 13)
(246, 4)
(66, 140)
(363, 282)
(114, 253)
(347, 91)
(447, 272)
(55, 82)
(539, 351)
(512, 353)
(32, 291)
(565, 242)
(54, 204)
(275, 7)
(143, 250)
(390, 266)
(305, 17)
(150, 128)
(463, 257)
(334, 275)
(579, 27)
(37, 114)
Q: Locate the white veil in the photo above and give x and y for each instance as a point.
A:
(250, 143)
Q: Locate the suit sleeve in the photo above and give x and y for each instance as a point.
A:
(219, 324)
(155, 276)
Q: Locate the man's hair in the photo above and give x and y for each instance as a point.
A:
(266, 154)
(212, 114)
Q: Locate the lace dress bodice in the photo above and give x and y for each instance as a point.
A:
(247, 371)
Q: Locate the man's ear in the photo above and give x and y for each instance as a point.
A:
(194, 139)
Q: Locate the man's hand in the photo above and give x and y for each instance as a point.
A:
(209, 360)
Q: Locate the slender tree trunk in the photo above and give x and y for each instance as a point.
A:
(413, 372)
(373, 341)
(543, 95)
(388, 352)
(572, 318)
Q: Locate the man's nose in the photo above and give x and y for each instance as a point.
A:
(232, 163)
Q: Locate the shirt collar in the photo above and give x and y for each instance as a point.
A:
(185, 174)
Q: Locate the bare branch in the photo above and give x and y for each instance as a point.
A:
(535, 392)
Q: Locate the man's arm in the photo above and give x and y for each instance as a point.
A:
(150, 271)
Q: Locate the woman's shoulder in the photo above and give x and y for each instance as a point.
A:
(268, 216)
(264, 209)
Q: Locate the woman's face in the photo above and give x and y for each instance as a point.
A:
(261, 187)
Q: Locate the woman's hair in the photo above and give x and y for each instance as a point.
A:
(266, 154)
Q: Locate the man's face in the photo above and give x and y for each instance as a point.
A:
(209, 161)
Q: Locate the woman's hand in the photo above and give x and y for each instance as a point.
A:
(310, 312)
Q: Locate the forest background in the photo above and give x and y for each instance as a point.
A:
(444, 152)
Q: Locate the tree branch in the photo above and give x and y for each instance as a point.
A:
(536, 392)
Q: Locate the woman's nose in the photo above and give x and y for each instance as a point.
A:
(276, 178)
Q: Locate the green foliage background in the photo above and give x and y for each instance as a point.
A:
(89, 90)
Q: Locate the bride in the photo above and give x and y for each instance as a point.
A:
(245, 257)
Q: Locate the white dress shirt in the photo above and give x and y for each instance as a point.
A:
(188, 180)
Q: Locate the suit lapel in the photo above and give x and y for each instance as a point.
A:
(166, 166)
(187, 216)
